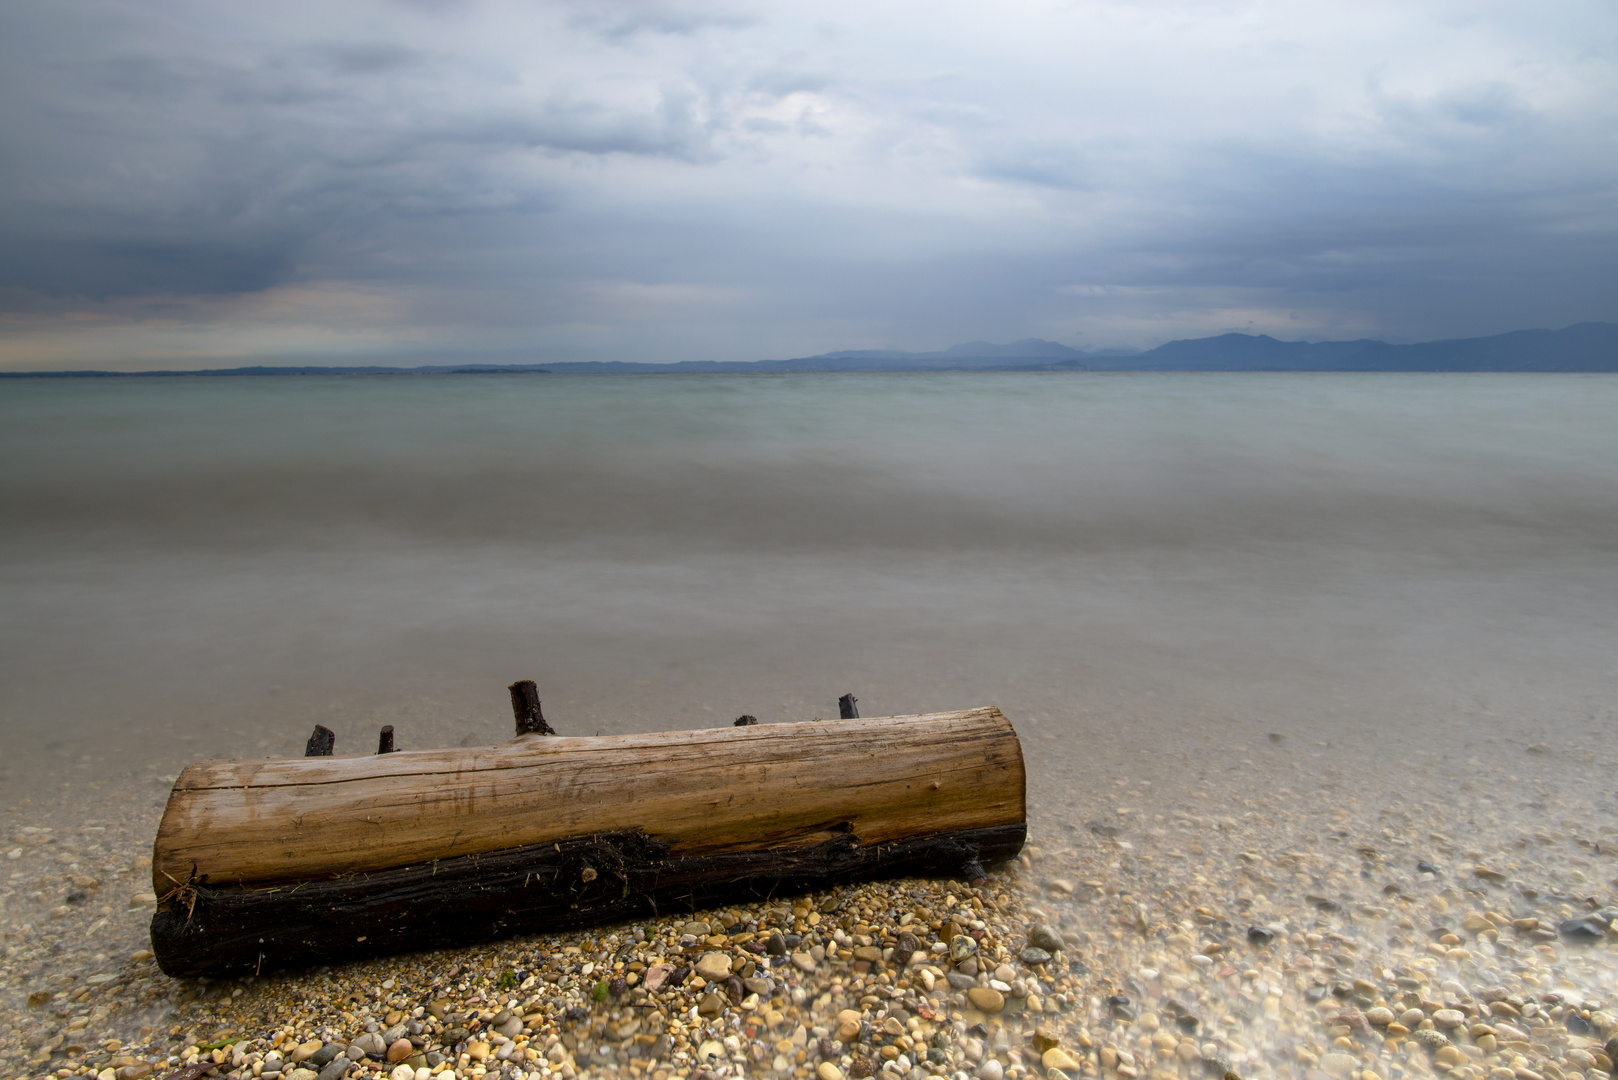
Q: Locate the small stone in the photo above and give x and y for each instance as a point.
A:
(1585, 931)
(986, 1000)
(325, 1055)
(401, 1049)
(304, 1051)
(1260, 935)
(695, 929)
(827, 1071)
(1057, 1058)
(1432, 1040)
(803, 961)
(1045, 1038)
(714, 966)
(1449, 1055)
(477, 1051)
(962, 946)
(711, 1005)
(908, 946)
(402, 1072)
(775, 945)
(990, 1070)
(303, 1074)
(1034, 957)
(1380, 1016)
(1339, 1066)
(1449, 1018)
(511, 1027)
(1412, 1018)
(1044, 936)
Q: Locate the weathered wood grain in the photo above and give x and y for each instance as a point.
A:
(693, 793)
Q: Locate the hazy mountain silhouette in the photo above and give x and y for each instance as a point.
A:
(1584, 347)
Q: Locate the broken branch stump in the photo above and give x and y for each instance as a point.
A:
(310, 860)
(321, 742)
(525, 706)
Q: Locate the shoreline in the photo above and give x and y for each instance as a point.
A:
(1367, 906)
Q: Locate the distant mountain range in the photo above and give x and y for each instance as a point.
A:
(1585, 347)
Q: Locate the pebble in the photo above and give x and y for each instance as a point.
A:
(1034, 957)
(1582, 931)
(827, 1071)
(713, 966)
(986, 1000)
(1057, 1058)
(1043, 936)
(1339, 1066)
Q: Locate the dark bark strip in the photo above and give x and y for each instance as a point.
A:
(539, 889)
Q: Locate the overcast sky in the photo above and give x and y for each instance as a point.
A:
(196, 184)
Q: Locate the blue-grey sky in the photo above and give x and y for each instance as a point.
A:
(194, 184)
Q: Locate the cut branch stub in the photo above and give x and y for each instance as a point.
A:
(847, 708)
(384, 742)
(745, 720)
(525, 707)
(321, 742)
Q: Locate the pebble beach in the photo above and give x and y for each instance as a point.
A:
(1426, 921)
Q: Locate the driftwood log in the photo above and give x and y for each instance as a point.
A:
(273, 863)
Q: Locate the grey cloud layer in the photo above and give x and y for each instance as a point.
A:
(658, 180)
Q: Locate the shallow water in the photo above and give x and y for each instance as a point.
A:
(1408, 580)
(210, 566)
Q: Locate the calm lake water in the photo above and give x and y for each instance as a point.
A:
(1133, 564)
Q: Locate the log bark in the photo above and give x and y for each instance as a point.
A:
(384, 740)
(539, 889)
(245, 848)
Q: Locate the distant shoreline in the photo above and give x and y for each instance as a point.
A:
(1583, 348)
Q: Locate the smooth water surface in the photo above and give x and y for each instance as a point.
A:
(209, 566)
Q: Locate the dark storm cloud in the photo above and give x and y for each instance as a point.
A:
(661, 180)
